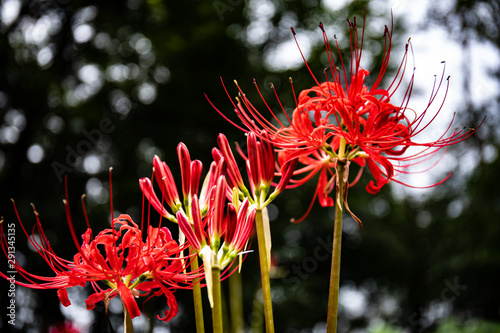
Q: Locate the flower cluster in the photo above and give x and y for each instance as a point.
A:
(333, 124)
(217, 221)
(204, 217)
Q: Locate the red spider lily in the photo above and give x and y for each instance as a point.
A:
(234, 227)
(207, 207)
(133, 267)
(260, 165)
(190, 172)
(117, 257)
(205, 235)
(190, 177)
(343, 119)
(209, 218)
(223, 182)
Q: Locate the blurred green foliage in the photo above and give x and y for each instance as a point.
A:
(451, 325)
(146, 66)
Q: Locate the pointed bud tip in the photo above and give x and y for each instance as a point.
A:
(386, 31)
(182, 146)
(34, 209)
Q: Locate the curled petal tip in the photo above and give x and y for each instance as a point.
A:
(156, 161)
(63, 297)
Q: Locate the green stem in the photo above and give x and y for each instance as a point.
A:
(333, 298)
(198, 305)
(217, 309)
(264, 272)
(236, 303)
(127, 321)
